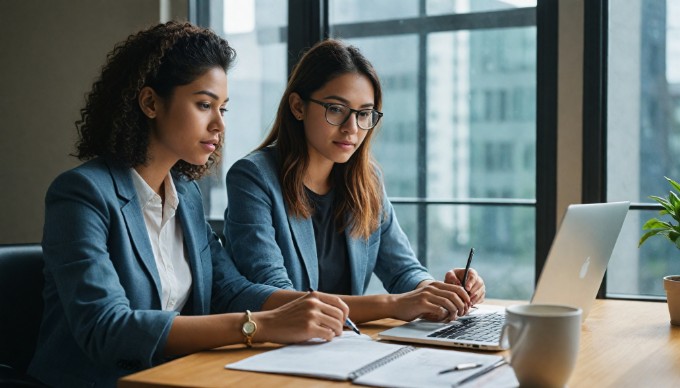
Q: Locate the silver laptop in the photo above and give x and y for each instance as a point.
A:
(571, 276)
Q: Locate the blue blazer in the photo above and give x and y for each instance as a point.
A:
(103, 316)
(272, 247)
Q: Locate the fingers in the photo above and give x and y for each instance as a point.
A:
(451, 278)
(334, 301)
(473, 283)
(304, 318)
(453, 298)
(328, 311)
(437, 301)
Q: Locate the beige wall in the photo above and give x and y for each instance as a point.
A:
(50, 52)
(569, 105)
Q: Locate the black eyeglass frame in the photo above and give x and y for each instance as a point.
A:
(326, 105)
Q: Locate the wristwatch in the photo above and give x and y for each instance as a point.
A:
(249, 328)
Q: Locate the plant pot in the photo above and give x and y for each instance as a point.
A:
(672, 286)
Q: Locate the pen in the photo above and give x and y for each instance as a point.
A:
(348, 322)
(467, 267)
(464, 366)
(481, 372)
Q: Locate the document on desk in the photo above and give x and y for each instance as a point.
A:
(363, 361)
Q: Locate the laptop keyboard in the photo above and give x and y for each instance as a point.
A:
(483, 327)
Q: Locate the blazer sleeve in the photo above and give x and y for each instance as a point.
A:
(249, 226)
(78, 216)
(396, 265)
(230, 290)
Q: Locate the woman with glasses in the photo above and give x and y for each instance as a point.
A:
(134, 274)
(307, 209)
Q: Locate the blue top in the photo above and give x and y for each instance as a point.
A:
(103, 317)
(272, 247)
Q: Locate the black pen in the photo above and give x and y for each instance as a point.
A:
(348, 322)
(467, 267)
(481, 372)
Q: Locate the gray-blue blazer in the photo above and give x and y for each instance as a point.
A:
(272, 247)
(103, 316)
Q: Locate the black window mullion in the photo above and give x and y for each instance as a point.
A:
(546, 129)
(594, 177)
(307, 25)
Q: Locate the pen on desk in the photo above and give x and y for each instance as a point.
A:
(481, 372)
(467, 267)
(348, 322)
(464, 366)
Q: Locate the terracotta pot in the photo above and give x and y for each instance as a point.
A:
(672, 286)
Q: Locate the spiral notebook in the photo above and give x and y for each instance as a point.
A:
(363, 361)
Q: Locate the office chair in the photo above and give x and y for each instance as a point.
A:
(21, 308)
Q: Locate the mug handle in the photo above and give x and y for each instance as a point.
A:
(505, 338)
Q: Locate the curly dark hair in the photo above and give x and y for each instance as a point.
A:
(165, 56)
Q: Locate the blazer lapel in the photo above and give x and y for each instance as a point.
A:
(303, 234)
(132, 213)
(357, 253)
(188, 218)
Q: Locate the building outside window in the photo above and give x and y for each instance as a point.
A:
(643, 135)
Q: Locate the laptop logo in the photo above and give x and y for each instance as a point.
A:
(584, 268)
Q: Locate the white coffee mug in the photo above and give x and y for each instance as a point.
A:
(543, 341)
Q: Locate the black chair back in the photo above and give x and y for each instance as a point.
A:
(21, 303)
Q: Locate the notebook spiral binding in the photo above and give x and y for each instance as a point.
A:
(380, 362)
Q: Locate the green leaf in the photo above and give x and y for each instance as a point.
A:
(675, 184)
(648, 235)
(668, 208)
(671, 207)
(675, 201)
(655, 223)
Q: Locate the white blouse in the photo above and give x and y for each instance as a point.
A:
(167, 241)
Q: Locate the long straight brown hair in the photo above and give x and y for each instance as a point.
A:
(358, 203)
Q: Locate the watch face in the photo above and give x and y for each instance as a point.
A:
(249, 327)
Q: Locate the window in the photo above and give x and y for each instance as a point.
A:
(256, 82)
(458, 140)
(643, 136)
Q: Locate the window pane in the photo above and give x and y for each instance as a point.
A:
(634, 271)
(503, 238)
(443, 7)
(256, 83)
(643, 138)
(355, 11)
(496, 147)
(395, 143)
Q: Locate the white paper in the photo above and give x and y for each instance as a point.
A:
(333, 360)
(421, 368)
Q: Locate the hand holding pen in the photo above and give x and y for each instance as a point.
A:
(348, 322)
(469, 279)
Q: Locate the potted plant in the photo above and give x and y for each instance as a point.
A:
(659, 227)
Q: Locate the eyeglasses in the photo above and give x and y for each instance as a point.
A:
(337, 114)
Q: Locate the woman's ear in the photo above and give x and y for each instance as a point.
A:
(148, 102)
(297, 106)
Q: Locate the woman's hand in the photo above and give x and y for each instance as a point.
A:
(474, 284)
(432, 300)
(314, 315)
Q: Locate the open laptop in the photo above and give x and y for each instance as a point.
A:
(571, 276)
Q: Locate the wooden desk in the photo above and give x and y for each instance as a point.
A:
(623, 344)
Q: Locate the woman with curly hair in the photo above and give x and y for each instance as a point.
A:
(133, 273)
(307, 209)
